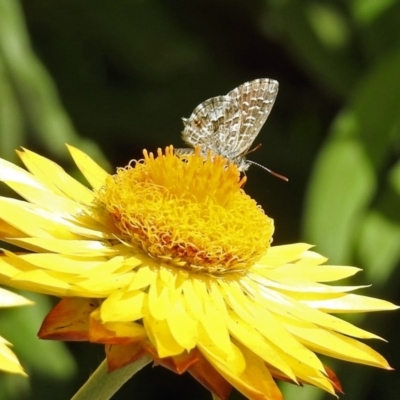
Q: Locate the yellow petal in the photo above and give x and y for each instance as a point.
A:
(192, 300)
(10, 299)
(7, 231)
(8, 268)
(123, 306)
(279, 255)
(159, 302)
(103, 270)
(95, 175)
(234, 361)
(161, 337)
(201, 369)
(335, 345)
(59, 205)
(351, 303)
(33, 220)
(62, 263)
(249, 337)
(256, 382)
(127, 330)
(144, 277)
(55, 178)
(265, 323)
(294, 286)
(285, 305)
(12, 173)
(306, 374)
(216, 295)
(41, 282)
(216, 328)
(101, 286)
(183, 328)
(8, 360)
(308, 273)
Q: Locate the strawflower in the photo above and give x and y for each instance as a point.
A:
(169, 260)
(8, 360)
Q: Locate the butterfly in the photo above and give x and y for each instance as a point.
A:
(228, 125)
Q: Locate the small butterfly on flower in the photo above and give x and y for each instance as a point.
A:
(228, 125)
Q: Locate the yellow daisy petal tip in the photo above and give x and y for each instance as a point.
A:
(10, 299)
(8, 360)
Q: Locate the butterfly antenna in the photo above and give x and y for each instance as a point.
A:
(269, 170)
(254, 149)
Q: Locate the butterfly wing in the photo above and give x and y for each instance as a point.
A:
(228, 125)
(255, 100)
(214, 125)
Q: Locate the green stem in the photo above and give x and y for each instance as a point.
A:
(102, 385)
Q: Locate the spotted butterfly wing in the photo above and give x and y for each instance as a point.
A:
(255, 99)
(227, 125)
(213, 124)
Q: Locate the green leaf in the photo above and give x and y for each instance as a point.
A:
(344, 182)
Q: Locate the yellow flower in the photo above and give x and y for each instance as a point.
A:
(8, 360)
(169, 257)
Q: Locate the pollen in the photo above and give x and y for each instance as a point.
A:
(189, 210)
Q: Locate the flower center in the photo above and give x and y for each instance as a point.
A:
(189, 211)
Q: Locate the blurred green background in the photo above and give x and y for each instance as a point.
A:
(114, 77)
